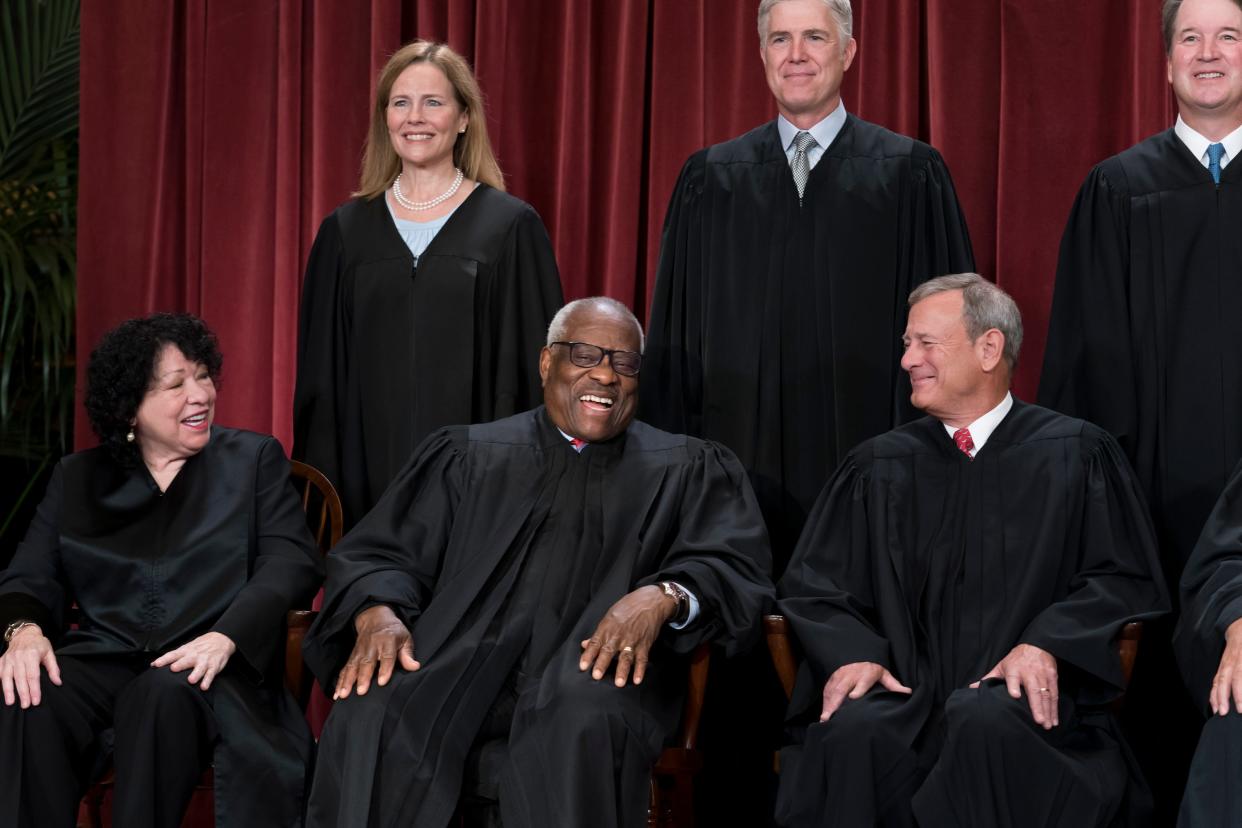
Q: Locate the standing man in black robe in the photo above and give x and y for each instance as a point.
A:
(1143, 329)
(958, 593)
(1209, 649)
(786, 259)
(505, 562)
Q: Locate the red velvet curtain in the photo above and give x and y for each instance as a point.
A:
(215, 137)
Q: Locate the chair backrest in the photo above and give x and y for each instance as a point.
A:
(320, 502)
(326, 521)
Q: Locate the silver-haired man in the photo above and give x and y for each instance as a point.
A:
(958, 592)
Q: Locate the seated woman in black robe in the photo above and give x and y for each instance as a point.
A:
(427, 294)
(183, 545)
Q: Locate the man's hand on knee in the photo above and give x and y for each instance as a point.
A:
(383, 640)
(626, 632)
(853, 681)
(1029, 668)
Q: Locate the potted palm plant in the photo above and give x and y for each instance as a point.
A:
(38, 197)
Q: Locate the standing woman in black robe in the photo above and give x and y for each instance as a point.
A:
(183, 546)
(429, 275)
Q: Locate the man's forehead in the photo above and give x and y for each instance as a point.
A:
(593, 324)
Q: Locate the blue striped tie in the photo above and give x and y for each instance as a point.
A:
(1214, 155)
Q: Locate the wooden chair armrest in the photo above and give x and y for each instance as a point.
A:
(780, 645)
(297, 677)
(696, 691)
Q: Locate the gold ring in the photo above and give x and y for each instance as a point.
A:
(1043, 689)
(627, 649)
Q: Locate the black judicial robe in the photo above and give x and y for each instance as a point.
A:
(224, 549)
(449, 546)
(1142, 338)
(935, 566)
(1211, 600)
(389, 351)
(775, 327)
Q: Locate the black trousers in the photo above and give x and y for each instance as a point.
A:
(1213, 797)
(989, 765)
(163, 728)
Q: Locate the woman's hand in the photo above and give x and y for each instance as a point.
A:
(19, 666)
(204, 657)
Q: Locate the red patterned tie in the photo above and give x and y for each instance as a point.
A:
(578, 444)
(962, 438)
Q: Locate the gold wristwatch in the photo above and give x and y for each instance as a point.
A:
(679, 595)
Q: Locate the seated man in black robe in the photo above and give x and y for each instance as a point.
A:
(958, 592)
(490, 590)
(1209, 648)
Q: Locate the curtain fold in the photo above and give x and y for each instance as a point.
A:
(216, 136)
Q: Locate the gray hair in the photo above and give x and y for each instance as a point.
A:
(1168, 19)
(839, 9)
(559, 327)
(984, 306)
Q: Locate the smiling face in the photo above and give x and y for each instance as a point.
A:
(424, 117)
(805, 60)
(174, 419)
(592, 404)
(949, 374)
(1205, 65)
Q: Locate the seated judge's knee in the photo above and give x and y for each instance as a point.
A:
(859, 721)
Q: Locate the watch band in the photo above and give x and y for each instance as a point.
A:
(675, 591)
(11, 629)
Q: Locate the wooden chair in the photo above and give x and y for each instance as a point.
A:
(785, 659)
(672, 779)
(326, 520)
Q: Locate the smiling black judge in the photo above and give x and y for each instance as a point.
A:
(531, 587)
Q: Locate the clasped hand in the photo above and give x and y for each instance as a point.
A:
(626, 633)
(382, 639)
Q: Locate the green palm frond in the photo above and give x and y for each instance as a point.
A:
(39, 59)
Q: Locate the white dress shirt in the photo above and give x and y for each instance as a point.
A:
(982, 428)
(1198, 145)
(824, 133)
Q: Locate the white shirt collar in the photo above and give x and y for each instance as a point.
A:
(1198, 144)
(982, 428)
(824, 133)
(571, 440)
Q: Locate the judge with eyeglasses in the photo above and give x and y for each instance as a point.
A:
(506, 633)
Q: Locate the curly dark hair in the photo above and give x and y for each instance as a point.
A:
(122, 369)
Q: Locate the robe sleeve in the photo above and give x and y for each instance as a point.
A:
(526, 296)
(827, 593)
(1118, 576)
(323, 358)
(286, 568)
(1211, 592)
(935, 239)
(720, 553)
(394, 555)
(672, 376)
(32, 587)
(1088, 369)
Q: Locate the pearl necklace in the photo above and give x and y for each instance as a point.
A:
(425, 205)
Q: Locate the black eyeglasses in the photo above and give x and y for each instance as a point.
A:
(586, 355)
